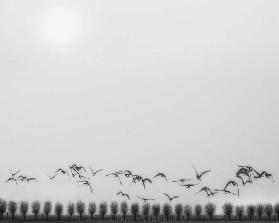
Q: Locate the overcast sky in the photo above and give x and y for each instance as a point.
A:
(147, 85)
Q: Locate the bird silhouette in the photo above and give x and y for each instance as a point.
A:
(116, 176)
(146, 180)
(11, 179)
(231, 182)
(182, 180)
(188, 185)
(208, 191)
(123, 194)
(161, 175)
(264, 174)
(95, 172)
(86, 183)
(60, 170)
(170, 198)
(145, 199)
(226, 191)
(199, 175)
(15, 173)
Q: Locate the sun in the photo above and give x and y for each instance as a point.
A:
(62, 26)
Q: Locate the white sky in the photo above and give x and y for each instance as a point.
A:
(147, 85)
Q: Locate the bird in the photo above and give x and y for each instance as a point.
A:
(231, 182)
(86, 183)
(95, 172)
(31, 179)
(145, 180)
(145, 199)
(15, 173)
(11, 179)
(188, 185)
(117, 176)
(199, 175)
(123, 194)
(170, 198)
(264, 174)
(161, 175)
(60, 170)
(225, 191)
(182, 180)
(207, 190)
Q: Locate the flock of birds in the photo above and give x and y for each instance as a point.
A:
(244, 175)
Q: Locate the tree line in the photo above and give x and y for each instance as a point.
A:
(155, 212)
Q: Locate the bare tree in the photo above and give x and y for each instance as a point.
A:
(198, 211)
(47, 208)
(276, 210)
(36, 207)
(188, 211)
(178, 209)
(23, 208)
(114, 209)
(3, 208)
(260, 211)
(251, 211)
(145, 210)
(228, 210)
(210, 209)
(80, 206)
(103, 208)
(12, 209)
(167, 211)
(268, 209)
(156, 209)
(239, 210)
(124, 209)
(135, 210)
(71, 209)
(92, 209)
(58, 210)
(12, 206)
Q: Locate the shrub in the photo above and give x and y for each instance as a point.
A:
(260, 211)
(92, 209)
(80, 206)
(188, 211)
(12, 206)
(114, 209)
(135, 210)
(178, 209)
(124, 209)
(268, 209)
(251, 211)
(23, 208)
(3, 208)
(167, 211)
(156, 208)
(198, 211)
(103, 208)
(58, 210)
(228, 210)
(47, 208)
(36, 206)
(239, 211)
(145, 210)
(210, 209)
(276, 210)
(71, 209)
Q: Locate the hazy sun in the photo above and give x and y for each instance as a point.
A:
(62, 26)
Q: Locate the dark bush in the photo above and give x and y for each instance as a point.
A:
(23, 208)
(36, 207)
(178, 209)
(135, 210)
(92, 209)
(145, 210)
(3, 208)
(156, 209)
(71, 209)
(198, 211)
(210, 209)
(228, 210)
(188, 211)
(167, 211)
(124, 209)
(103, 208)
(114, 209)
(47, 208)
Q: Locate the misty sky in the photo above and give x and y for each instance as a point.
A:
(147, 85)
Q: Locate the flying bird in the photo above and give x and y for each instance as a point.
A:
(188, 185)
(146, 180)
(123, 194)
(199, 175)
(208, 191)
(182, 180)
(86, 183)
(231, 182)
(161, 175)
(170, 198)
(95, 172)
(145, 199)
